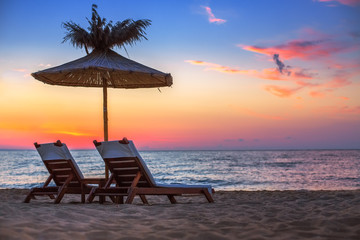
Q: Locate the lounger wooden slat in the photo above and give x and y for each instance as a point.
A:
(61, 165)
(131, 173)
(64, 172)
(61, 171)
(120, 164)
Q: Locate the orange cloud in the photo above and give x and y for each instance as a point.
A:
(20, 70)
(344, 98)
(281, 91)
(345, 2)
(316, 94)
(220, 68)
(44, 65)
(71, 133)
(271, 74)
(212, 18)
(225, 69)
(195, 62)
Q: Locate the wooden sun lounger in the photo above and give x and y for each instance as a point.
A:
(65, 174)
(133, 178)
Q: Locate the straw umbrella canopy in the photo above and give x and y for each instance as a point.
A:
(103, 67)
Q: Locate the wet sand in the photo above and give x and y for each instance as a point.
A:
(234, 215)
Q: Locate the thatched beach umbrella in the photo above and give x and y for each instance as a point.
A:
(103, 67)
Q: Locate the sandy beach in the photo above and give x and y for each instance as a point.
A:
(234, 215)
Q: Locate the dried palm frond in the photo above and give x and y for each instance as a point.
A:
(102, 35)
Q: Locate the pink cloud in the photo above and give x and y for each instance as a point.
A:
(274, 74)
(324, 51)
(293, 75)
(317, 90)
(316, 94)
(20, 70)
(339, 80)
(282, 91)
(313, 45)
(303, 79)
(344, 98)
(301, 73)
(350, 110)
(345, 2)
(306, 84)
(212, 18)
(341, 110)
(44, 65)
(302, 49)
(267, 73)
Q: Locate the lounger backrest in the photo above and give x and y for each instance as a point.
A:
(118, 156)
(59, 162)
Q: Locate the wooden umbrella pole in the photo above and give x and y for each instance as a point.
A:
(105, 121)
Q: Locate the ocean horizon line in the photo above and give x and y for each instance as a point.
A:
(174, 150)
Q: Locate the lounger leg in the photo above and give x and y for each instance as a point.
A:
(208, 196)
(143, 199)
(62, 189)
(131, 196)
(91, 195)
(60, 196)
(48, 180)
(172, 199)
(107, 184)
(29, 196)
(82, 193)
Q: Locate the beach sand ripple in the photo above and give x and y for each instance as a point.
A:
(234, 215)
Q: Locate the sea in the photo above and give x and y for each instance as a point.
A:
(224, 170)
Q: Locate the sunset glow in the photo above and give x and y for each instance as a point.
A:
(244, 78)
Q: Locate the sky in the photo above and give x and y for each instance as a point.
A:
(250, 74)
